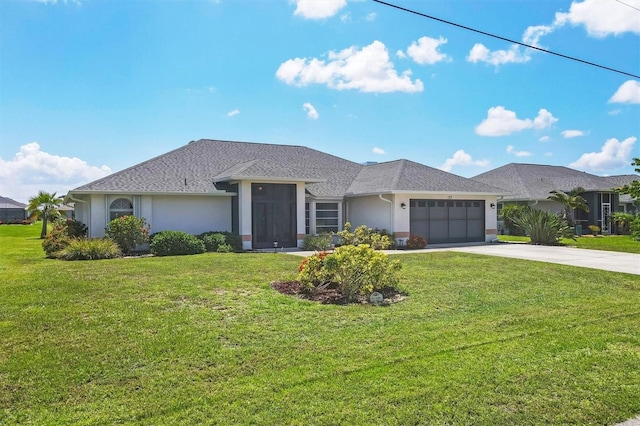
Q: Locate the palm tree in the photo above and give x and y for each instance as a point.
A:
(44, 206)
(571, 201)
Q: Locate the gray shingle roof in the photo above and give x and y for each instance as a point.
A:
(535, 181)
(203, 163)
(8, 203)
(405, 175)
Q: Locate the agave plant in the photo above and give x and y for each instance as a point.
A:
(543, 227)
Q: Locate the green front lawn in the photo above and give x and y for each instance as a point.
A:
(204, 339)
(623, 243)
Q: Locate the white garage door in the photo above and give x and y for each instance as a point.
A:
(447, 221)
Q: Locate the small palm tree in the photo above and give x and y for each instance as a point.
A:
(44, 206)
(571, 201)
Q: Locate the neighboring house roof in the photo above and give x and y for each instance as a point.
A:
(405, 175)
(536, 181)
(620, 180)
(203, 163)
(8, 203)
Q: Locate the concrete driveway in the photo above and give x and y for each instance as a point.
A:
(596, 259)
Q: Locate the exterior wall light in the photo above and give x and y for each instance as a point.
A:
(492, 205)
(403, 205)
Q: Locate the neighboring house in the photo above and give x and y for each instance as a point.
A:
(532, 184)
(279, 193)
(626, 203)
(12, 211)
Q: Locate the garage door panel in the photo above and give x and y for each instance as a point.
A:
(448, 221)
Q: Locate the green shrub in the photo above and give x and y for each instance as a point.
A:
(623, 222)
(312, 273)
(361, 270)
(213, 241)
(128, 232)
(378, 240)
(90, 249)
(509, 214)
(543, 227)
(56, 240)
(320, 242)
(416, 242)
(75, 228)
(175, 243)
(635, 228)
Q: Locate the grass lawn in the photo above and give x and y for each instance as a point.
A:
(203, 339)
(622, 243)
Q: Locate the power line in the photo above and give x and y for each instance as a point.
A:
(506, 39)
(626, 4)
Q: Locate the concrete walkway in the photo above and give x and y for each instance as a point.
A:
(597, 259)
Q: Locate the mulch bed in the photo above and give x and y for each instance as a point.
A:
(332, 295)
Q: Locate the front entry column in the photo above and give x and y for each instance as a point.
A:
(244, 213)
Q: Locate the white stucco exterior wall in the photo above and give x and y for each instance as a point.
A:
(98, 216)
(191, 214)
(371, 211)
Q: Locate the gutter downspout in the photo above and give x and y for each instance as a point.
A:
(391, 215)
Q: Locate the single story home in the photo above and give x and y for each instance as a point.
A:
(12, 211)
(276, 194)
(532, 184)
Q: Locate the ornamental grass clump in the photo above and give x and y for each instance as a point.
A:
(89, 249)
(543, 227)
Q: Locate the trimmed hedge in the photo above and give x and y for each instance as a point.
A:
(176, 243)
(221, 241)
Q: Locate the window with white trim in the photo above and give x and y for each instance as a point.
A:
(326, 217)
(120, 207)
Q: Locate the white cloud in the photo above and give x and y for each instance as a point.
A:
(311, 111)
(233, 112)
(370, 17)
(548, 154)
(602, 18)
(615, 112)
(599, 17)
(378, 151)
(461, 158)
(568, 134)
(627, 93)
(502, 122)
(480, 53)
(425, 51)
(511, 150)
(32, 170)
(318, 9)
(614, 154)
(544, 139)
(367, 70)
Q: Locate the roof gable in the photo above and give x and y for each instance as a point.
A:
(405, 175)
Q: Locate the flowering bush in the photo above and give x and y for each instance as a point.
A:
(416, 242)
(355, 269)
(56, 240)
(128, 231)
(378, 240)
(312, 273)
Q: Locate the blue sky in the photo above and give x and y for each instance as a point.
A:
(90, 87)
